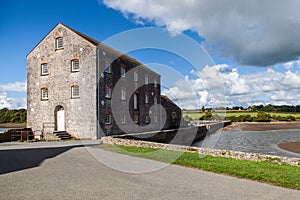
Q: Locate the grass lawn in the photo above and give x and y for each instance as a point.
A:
(280, 175)
(195, 115)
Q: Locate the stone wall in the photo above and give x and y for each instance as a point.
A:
(80, 113)
(203, 151)
(115, 105)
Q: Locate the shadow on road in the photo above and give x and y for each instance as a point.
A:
(20, 159)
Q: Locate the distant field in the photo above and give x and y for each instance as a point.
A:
(195, 115)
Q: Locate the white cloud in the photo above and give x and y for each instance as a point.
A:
(14, 87)
(6, 101)
(253, 32)
(272, 87)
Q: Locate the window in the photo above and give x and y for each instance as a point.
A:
(59, 43)
(155, 100)
(147, 118)
(123, 72)
(146, 98)
(146, 80)
(135, 76)
(75, 65)
(123, 120)
(75, 91)
(155, 118)
(136, 118)
(107, 92)
(123, 94)
(174, 116)
(44, 93)
(135, 101)
(108, 118)
(107, 67)
(155, 83)
(44, 69)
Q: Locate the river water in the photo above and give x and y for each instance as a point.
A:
(263, 142)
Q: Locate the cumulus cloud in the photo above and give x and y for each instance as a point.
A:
(272, 87)
(258, 33)
(6, 101)
(13, 87)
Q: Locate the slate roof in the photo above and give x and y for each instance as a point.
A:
(168, 103)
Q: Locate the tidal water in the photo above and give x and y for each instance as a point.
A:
(263, 142)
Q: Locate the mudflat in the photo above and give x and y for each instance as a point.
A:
(263, 126)
(290, 146)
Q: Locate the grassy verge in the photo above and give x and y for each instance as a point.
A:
(280, 175)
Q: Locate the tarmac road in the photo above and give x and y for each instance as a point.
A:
(70, 170)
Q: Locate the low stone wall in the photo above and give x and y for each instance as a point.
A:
(204, 151)
(182, 136)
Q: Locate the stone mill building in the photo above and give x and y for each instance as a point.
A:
(78, 85)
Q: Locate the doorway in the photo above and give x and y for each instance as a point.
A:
(60, 118)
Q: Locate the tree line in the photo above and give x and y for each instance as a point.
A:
(13, 116)
(258, 108)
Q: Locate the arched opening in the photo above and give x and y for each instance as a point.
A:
(59, 116)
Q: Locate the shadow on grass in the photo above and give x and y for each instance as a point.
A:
(21, 159)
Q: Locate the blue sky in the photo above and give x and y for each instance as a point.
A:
(255, 49)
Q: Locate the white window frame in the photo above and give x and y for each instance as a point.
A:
(146, 80)
(136, 118)
(107, 118)
(59, 43)
(123, 94)
(75, 68)
(147, 120)
(155, 118)
(44, 69)
(135, 101)
(146, 98)
(107, 91)
(44, 94)
(155, 83)
(123, 72)
(75, 91)
(135, 76)
(123, 119)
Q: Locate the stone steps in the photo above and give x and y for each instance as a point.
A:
(62, 135)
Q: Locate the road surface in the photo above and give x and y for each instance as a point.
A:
(70, 170)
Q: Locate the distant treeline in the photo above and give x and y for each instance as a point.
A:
(260, 117)
(271, 108)
(258, 108)
(12, 116)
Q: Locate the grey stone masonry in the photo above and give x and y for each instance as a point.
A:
(80, 113)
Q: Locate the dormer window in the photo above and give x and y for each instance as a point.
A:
(107, 67)
(135, 76)
(75, 65)
(44, 69)
(59, 43)
(146, 80)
